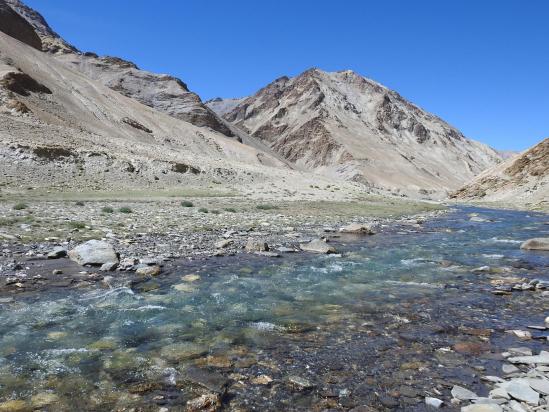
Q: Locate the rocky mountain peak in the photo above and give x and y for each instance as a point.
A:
(343, 124)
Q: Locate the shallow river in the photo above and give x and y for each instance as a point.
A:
(376, 326)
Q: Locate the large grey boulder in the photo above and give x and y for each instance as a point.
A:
(317, 246)
(93, 252)
(538, 243)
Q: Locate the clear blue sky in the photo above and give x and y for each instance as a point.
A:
(482, 65)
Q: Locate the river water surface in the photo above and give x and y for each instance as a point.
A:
(398, 316)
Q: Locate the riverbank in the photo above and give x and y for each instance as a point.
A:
(157, 230)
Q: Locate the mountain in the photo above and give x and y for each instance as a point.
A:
(343, 125)
(162, 92)
(522, 180)
(60, 129)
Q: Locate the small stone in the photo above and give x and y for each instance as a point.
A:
(254, 245)
(109, 266)
(508, 368)
(300, 383)
(57, 272)
(463, 394)
(222, 244)
(190, 278)
(521, 334)
(520, 390)
(262, 380)
(57, 252)
(539, 385)
(499, 393)
(209, 402)
(148, 271)
(482, 407)
(433, 402)
(317, 246)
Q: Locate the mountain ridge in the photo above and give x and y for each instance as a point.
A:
(342, 124)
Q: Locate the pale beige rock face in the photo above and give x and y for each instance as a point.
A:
(522, 180)
(342, 124)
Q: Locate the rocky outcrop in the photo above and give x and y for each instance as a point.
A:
(521, 180)
(540, 243)
(162, 92)
(15, 26)
(342, 124)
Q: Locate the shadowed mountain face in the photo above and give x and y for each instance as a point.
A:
(521, 180)
(344, 125)
(162, 92)
(15, 26)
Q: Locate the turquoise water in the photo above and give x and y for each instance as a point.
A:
(87, 348)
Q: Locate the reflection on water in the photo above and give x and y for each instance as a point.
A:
(101, 343)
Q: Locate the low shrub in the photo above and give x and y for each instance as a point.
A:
(125, 209)
(20, 206)
(186, 203)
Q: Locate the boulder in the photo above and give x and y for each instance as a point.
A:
(93, 252)
(539, 243)
(255, 245)
(317, 246)
(358, 229)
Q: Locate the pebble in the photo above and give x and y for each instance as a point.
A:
(148, 271)
(300, 383)
(433, 402)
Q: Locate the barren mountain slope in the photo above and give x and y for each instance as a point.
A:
(341, 124)
(58, 128)
(159, 91)
(522, 180)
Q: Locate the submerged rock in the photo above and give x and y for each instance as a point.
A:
(148, 271)
(93, 252)
(317, 246)
(539, 243)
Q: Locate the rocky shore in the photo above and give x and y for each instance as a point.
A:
(144, 236)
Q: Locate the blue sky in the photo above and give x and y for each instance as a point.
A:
(483, 66)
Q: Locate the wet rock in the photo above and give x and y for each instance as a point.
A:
(286, 250)
(267, 254)
(358, 229)
(222, 244)
(16, 405)
(254, 245)
(43, 399)
(539, 385)
(57, 272)
(433, 402)
(463, 394)
(540, 243)
(6, 300)
(148, 271)
(520, 389)
(109, 266)
(210, 380)
(182, 351)
(93, 252)
(541, 359)
(300, 383)
(317, 246)
(209, 402)
(57, 252)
